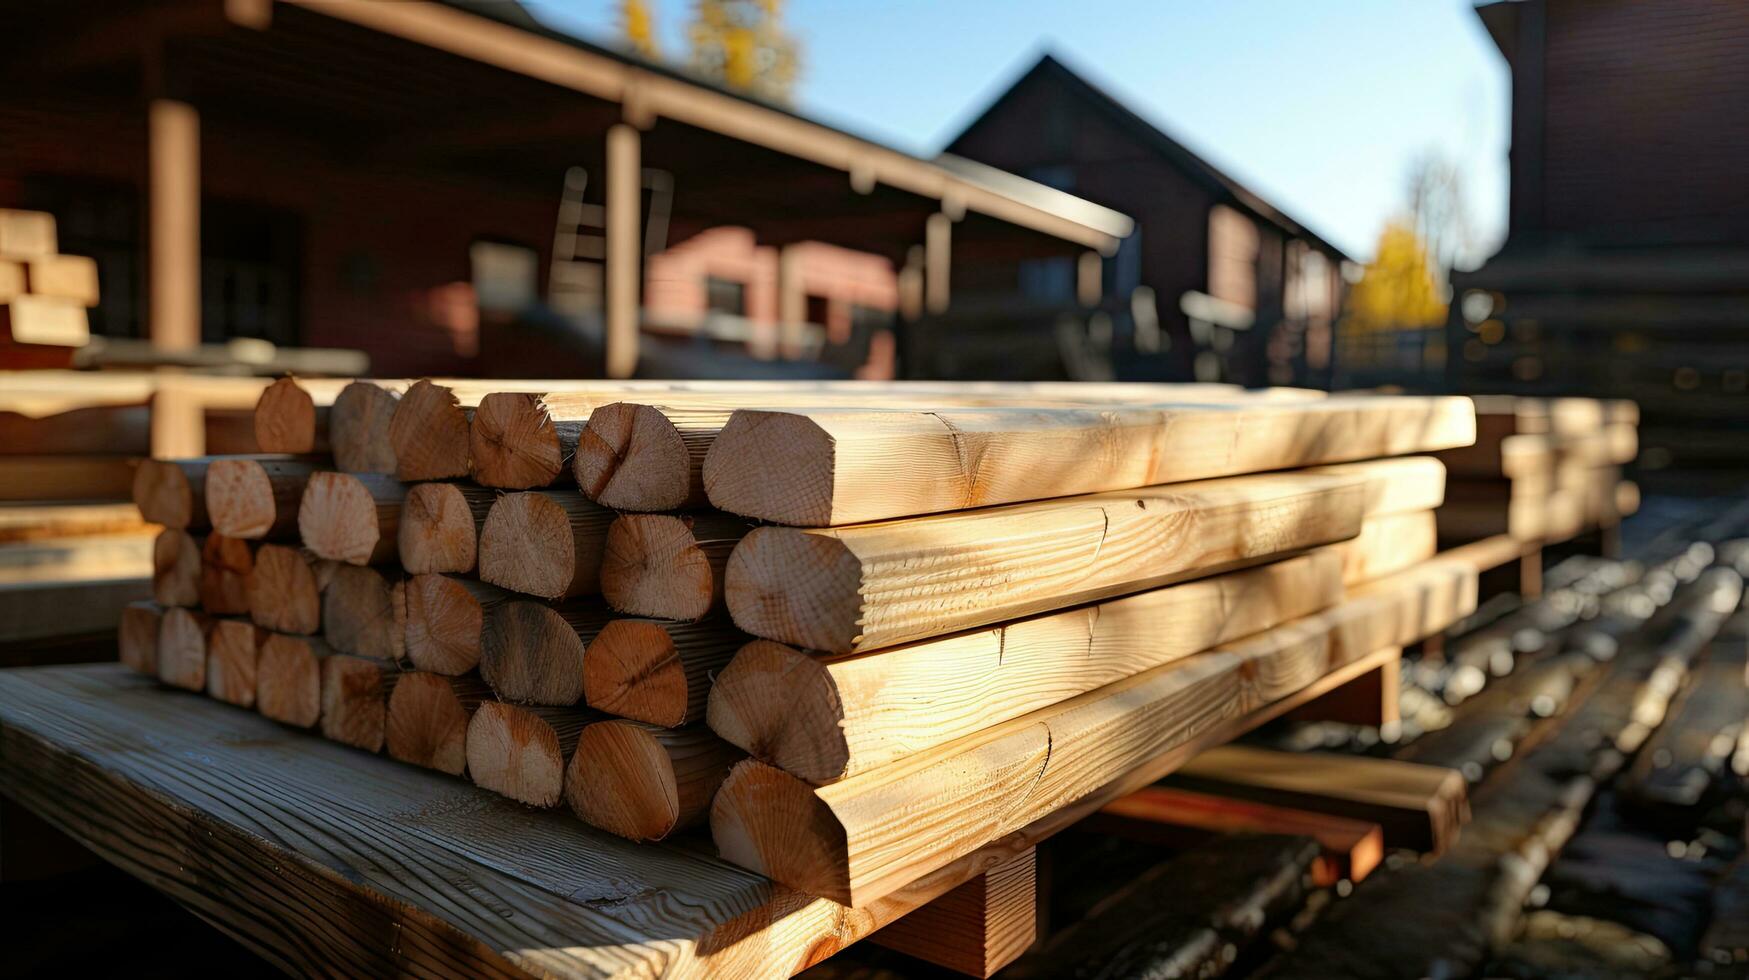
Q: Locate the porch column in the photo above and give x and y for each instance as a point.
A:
(937, 258)
(792, 301)
(173, 209)
(625, 258)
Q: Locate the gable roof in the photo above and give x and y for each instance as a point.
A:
(1052, 71)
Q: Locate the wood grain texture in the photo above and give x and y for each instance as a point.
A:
(428, 435)
(643, 782)
(1387, 545)
(233, 650)
(288, 678)
(533, 652)
(519, 751)
(446, 621)
(284, 588)
(293, 416)
(979, 927)
(364, 612)
(1401, 485)
(852, 589)
(351, 517)
(176, 568)
(820, 468)
(823, 718)
(66, 478)
(670, 566)
(172, 492)
(427, 722)
(657, 671)
(365, 865)
(21, 523)
(545, 543)
(859, 838)
(358, 426)
(225, 565)
(355, 700)
(440, 527)
(517, 442)
(137, 636)
(182, 648)
(257, 497)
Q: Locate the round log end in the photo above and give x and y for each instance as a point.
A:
(527, 545)
(354, 702)
(232, 655)
(633, 670)
(436, 532)
(781, 706)
(630, 457)
(621, 780)
(652, 566)
(444, 624)
(225, 565)
(796, 586)
(512, 442)
(768, 821)
(427, 724)
(529, 653)
(182, 649)
(285, 418)
(163, 494)
(137, 636)
(515, 753)
(288, 680)
(338, 518)
(775, 466)
(428, 434)
(175, 568)
(282, 590)
(358, 428)
(239, 498)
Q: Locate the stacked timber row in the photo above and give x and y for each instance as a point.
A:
(43, 295)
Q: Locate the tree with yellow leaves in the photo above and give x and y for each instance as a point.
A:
(1397, 289)
(741, 44)
(637, 26)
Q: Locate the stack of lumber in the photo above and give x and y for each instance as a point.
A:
(794, 611)
(43, 295)
(1541, 470)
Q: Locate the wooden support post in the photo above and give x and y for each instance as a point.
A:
(625, 261)
(792, 303)
(911, 286)
(1089, 278)
(173, 135)
(979, 927)
(937, 260)
(1370, 699)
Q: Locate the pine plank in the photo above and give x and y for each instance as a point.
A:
(66, 478)
(1388, 544)
(979, 927)
(121, 430)
(45, 522)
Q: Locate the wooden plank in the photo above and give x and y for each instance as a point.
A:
(841, 841)
(44, 320)
(24, 234)
(545, 543)
(473, 885)
(828, 467)
(670, 566)
(66, 478)
(979, 927)
(1387, 545)
(1401, 485)
(119, 430)
(52, 605)
(825, 718)
(643, 782)
(41, 522)
(1370, 699)
(844, 590)
(69, 277)
(1420, 807)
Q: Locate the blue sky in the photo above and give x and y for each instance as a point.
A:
(1318, 105)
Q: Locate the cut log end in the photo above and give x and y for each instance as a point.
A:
(225, 566)
(621, 780)
(240, 498)
(429, 434)
(773, 466)
(175, 568)
(631, 457)
(233, 651)
(757, 699)
(338, 518)
(283, 591)
(137, 636)
(364, 612)
(530, 653)
(164, 495)
(653, 566)
(428, 722)
(285, 418)
(528, 545)
(358, 428)
(633, 670)
(515, 753)
(439, 531)
(513, 443)
(288, 679)
(444, 625)
(772, 823)
(182, 648)
(355, 699)
(824, 613)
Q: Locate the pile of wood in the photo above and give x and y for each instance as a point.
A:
(794, 612)
(1541, 470)
(43, 295)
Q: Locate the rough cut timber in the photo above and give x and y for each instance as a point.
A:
(27, 234)
(355, 700)
(670, 566)
(352, 517)
(257, 497)
(860, 838)
(176, 568)
(364, 612)
(47, 477)
(519, 751)
(1387, 545)
(446, 620)
(44, 320)
(95, 429)
(840, 466)
(182, 647)
(68, 277)
(428, 434)
(643, 782)
(225, 565)
(137, 636)
(824, 718)
(288, 678)
(979, 927)
(293, 416)
(358, 426)
(233, 649)
(428, 719)
(440, 526)
(46, 523)
(285, 586)
(172, 492)
(516, 442)
(657, 671)
(545, 543)
(845, 590)
(1403, 485)
(533, 652)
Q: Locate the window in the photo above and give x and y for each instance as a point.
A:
(725, 296)
(505, 276)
